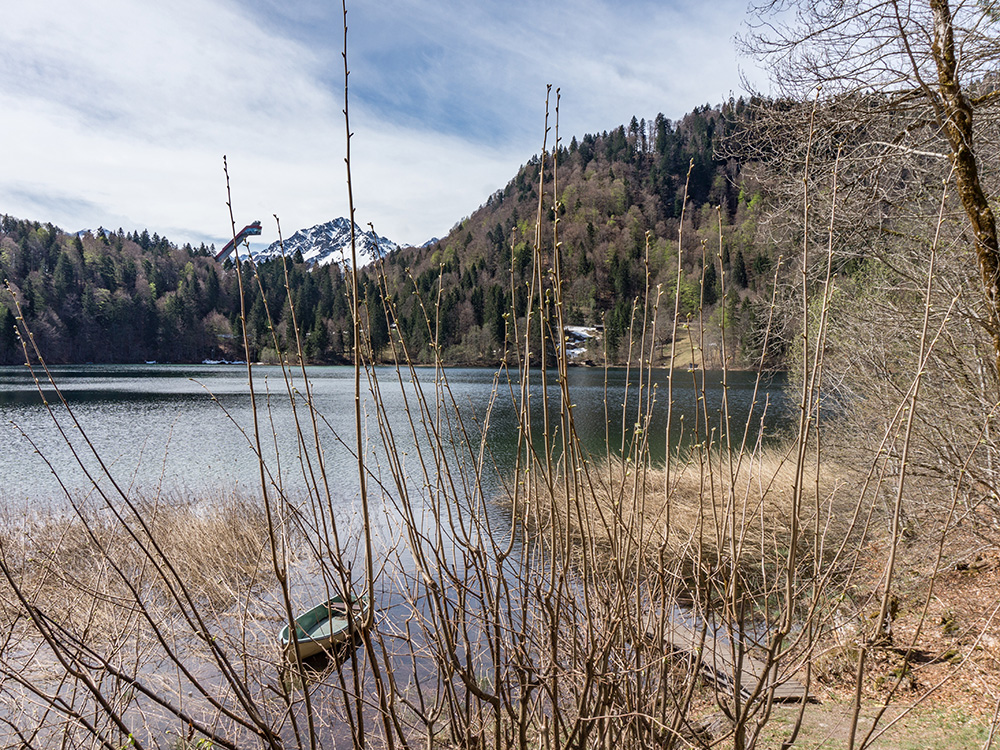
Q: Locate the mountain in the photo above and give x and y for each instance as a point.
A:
(95, 232)
(624, 198)
(330, 243)
(117, 297)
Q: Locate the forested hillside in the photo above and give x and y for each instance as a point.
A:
(130, 297)
(120, 297)
(620, 205)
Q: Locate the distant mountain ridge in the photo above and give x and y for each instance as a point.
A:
(330, 243)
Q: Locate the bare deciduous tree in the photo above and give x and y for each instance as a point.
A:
(927, 70)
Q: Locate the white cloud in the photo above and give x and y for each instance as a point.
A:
(119, 112)
(438, 179)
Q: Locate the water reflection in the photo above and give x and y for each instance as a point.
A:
(174, 431)
(180, 429)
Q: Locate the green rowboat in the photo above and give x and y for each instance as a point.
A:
(324, 626)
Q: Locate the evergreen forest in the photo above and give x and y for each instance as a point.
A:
(121, 297)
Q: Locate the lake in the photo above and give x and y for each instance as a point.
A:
(174, 430)
(180, 432)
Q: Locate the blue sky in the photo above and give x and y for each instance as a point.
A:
(118, 113)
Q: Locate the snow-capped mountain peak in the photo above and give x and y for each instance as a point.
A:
(330, 243)
(95, 232)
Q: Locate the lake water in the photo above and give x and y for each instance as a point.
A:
(178, 429)
(183, 431)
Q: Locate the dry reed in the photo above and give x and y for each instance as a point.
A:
(216, 547)
(701, 514)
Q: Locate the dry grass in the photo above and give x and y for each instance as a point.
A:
(708, 512)
(101, 598)
(98, 567)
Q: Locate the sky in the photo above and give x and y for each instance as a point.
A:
(118, 113)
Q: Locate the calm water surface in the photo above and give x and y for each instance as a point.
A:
(182, 431)
(177, 429)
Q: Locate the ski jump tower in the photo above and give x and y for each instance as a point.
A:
(248, 231)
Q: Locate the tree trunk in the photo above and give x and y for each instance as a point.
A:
(957, 122)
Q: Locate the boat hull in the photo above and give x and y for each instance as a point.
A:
(324, 627)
